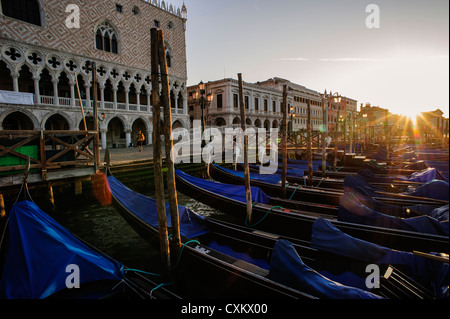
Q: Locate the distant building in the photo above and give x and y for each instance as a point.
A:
(42, 60)
(374, 122)
(433, 126)
(343, 110)
(298, 105)
(263, 104)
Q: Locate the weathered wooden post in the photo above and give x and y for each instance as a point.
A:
(165, 95)
(387, 134)
(157, 158)
(248, 193)
(324, 136)
(284, 142)
(81, 102)
(309, 141)
(96, 137)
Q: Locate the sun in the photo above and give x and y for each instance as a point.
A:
(413, 116)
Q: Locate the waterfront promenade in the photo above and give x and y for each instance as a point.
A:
(130, 155)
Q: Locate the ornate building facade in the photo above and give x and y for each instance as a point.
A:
(263, 104)
(46, 71)
(298, 107)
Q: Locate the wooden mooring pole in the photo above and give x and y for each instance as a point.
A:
(284, 129)
(165, 95)
(309, 141)
(248, 193)
(324, 138)
(157, 158)
(96, 137)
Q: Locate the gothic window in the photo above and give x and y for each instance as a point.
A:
(106, 38)
(25, 10)
(169, 55)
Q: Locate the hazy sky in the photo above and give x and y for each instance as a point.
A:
(325, 44)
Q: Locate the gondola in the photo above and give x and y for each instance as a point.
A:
(201, 270)
(299, 176)
(43, 260)
(318, 272)
(41, 256)
(296, 223)
(314, 194)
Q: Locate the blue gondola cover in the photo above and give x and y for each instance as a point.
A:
(236, 192)
(39, 251)
(266, 178)
(326, 237)
(436, 189)
(191, 224)
(353, 211)
(288, 268)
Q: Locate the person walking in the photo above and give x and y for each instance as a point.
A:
(141, 139)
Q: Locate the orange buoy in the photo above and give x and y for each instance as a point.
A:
(100, 188)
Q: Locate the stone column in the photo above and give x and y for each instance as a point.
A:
(138, 99)
(37, 95)
(72, 93)
(103, 133)
(127, 99)
(55, 92)
(185, 103)
(15, 78)
(88, 95)
(128, 137)
(115, 97)
(101, 86)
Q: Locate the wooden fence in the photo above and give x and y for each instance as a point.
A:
(48, 151)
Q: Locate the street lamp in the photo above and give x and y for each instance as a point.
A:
(292, 116)
(199, 97)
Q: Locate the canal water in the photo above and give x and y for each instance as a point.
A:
(104, 228)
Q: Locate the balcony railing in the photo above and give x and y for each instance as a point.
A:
(11, 97)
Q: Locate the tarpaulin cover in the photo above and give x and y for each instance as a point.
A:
(294, 172)
(353, 211)
(441, 166)
(191, 224)
(376, 205)
(266, 178)
(328, 238)
(39, 251)
(236, 192)
(423, 176)
(435, 189)
(288, 268)
(358, 183)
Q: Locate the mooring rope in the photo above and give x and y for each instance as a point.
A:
(258, 222)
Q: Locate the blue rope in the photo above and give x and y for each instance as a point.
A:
(246, 221)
